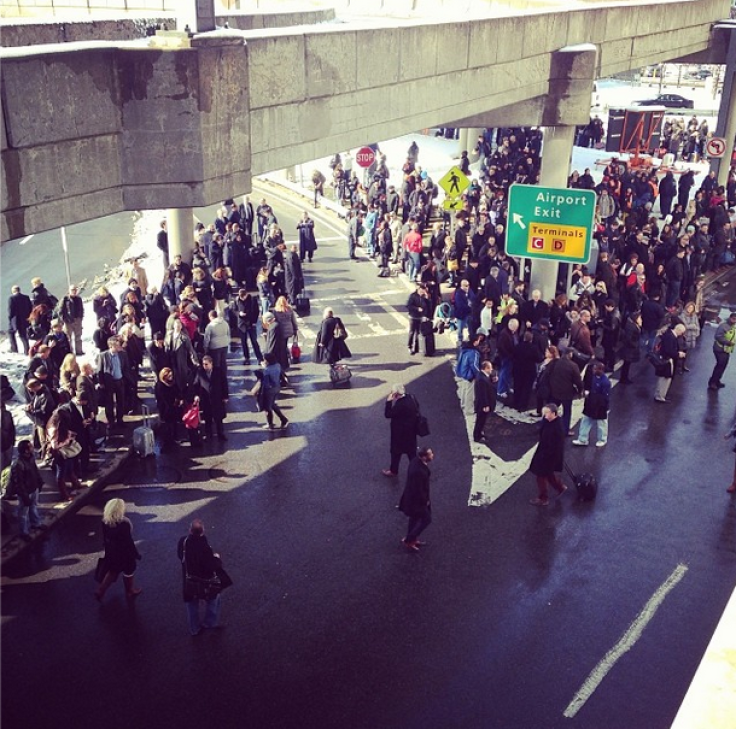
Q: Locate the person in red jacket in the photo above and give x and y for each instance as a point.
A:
(413, 247)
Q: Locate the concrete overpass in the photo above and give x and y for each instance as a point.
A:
(95, 128)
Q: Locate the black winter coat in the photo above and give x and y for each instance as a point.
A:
(327, 349)
(550, 452)
(403, 415)
(630, 339)
(415, 499)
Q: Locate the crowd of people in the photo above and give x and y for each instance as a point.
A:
(241, 283)
(643, 298)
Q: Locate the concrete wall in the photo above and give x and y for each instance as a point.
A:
(30, 33)
(131, 127)
(49, 8)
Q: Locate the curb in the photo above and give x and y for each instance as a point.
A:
(107, 470)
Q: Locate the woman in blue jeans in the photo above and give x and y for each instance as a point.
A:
(270, 389)
(198, 560)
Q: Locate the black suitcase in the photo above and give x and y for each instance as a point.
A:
(429, 346)
(302, 305)
(585, 483)
(340, 374)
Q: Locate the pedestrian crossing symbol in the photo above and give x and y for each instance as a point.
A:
(454, 182)
(453, 204)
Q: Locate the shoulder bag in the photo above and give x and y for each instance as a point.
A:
(200, 588)
(422, 426)
(71, 450)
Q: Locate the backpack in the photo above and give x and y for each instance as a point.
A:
(464, 366)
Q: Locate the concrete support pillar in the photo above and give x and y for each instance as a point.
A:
(180, 227)
(467, 140)
(726, 126)
(556, 154)
(205, 16)
(462, 141)
(567, 104)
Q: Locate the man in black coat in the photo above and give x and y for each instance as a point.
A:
(71, 313)
(565, 384)
(549, 457)
(415, 502)
(403, 411)
(485, 399)
(19, 309)
(244, 313)
(247, 215)
(162, 243)
(210, 386)
(158, 356)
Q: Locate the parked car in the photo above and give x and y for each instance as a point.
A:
(671, 101)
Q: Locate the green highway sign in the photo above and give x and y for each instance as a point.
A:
(550, 222)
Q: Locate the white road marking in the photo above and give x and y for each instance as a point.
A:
(625, 643)
(351, 297)
(493, 476)
(26, 239)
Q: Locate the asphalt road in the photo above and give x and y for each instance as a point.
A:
(496, 623)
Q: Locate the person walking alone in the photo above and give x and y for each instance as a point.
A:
(198, 560)
(403, 411)
(548, 459)
(415, 501)
(121, 553)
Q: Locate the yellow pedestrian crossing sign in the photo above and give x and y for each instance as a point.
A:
(453, 204)
(455, 182)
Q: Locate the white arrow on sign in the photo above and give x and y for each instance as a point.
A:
(518, 220)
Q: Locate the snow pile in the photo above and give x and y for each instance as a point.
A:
(115, 279)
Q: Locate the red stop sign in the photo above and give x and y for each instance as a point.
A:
(365, 156)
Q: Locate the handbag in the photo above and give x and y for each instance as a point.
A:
(191, 417)
(657, 360)
(202, 588)
(71, 449)
(426, 328)
(422, 425)
(101, 569)
(296, 352)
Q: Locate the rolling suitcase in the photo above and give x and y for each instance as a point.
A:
(340, 374)
(302, 305)
(143, 440)
(428, 342)
(585, 483)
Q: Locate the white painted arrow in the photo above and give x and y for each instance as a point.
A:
(518, 220)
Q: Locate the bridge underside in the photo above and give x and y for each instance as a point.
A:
(138, 127)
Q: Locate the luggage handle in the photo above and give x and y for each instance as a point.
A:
(146, 412)
(569, 471)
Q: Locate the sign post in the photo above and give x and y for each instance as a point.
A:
(551, 223)
(454, 183)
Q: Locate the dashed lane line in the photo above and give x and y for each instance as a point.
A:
(625, 643)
